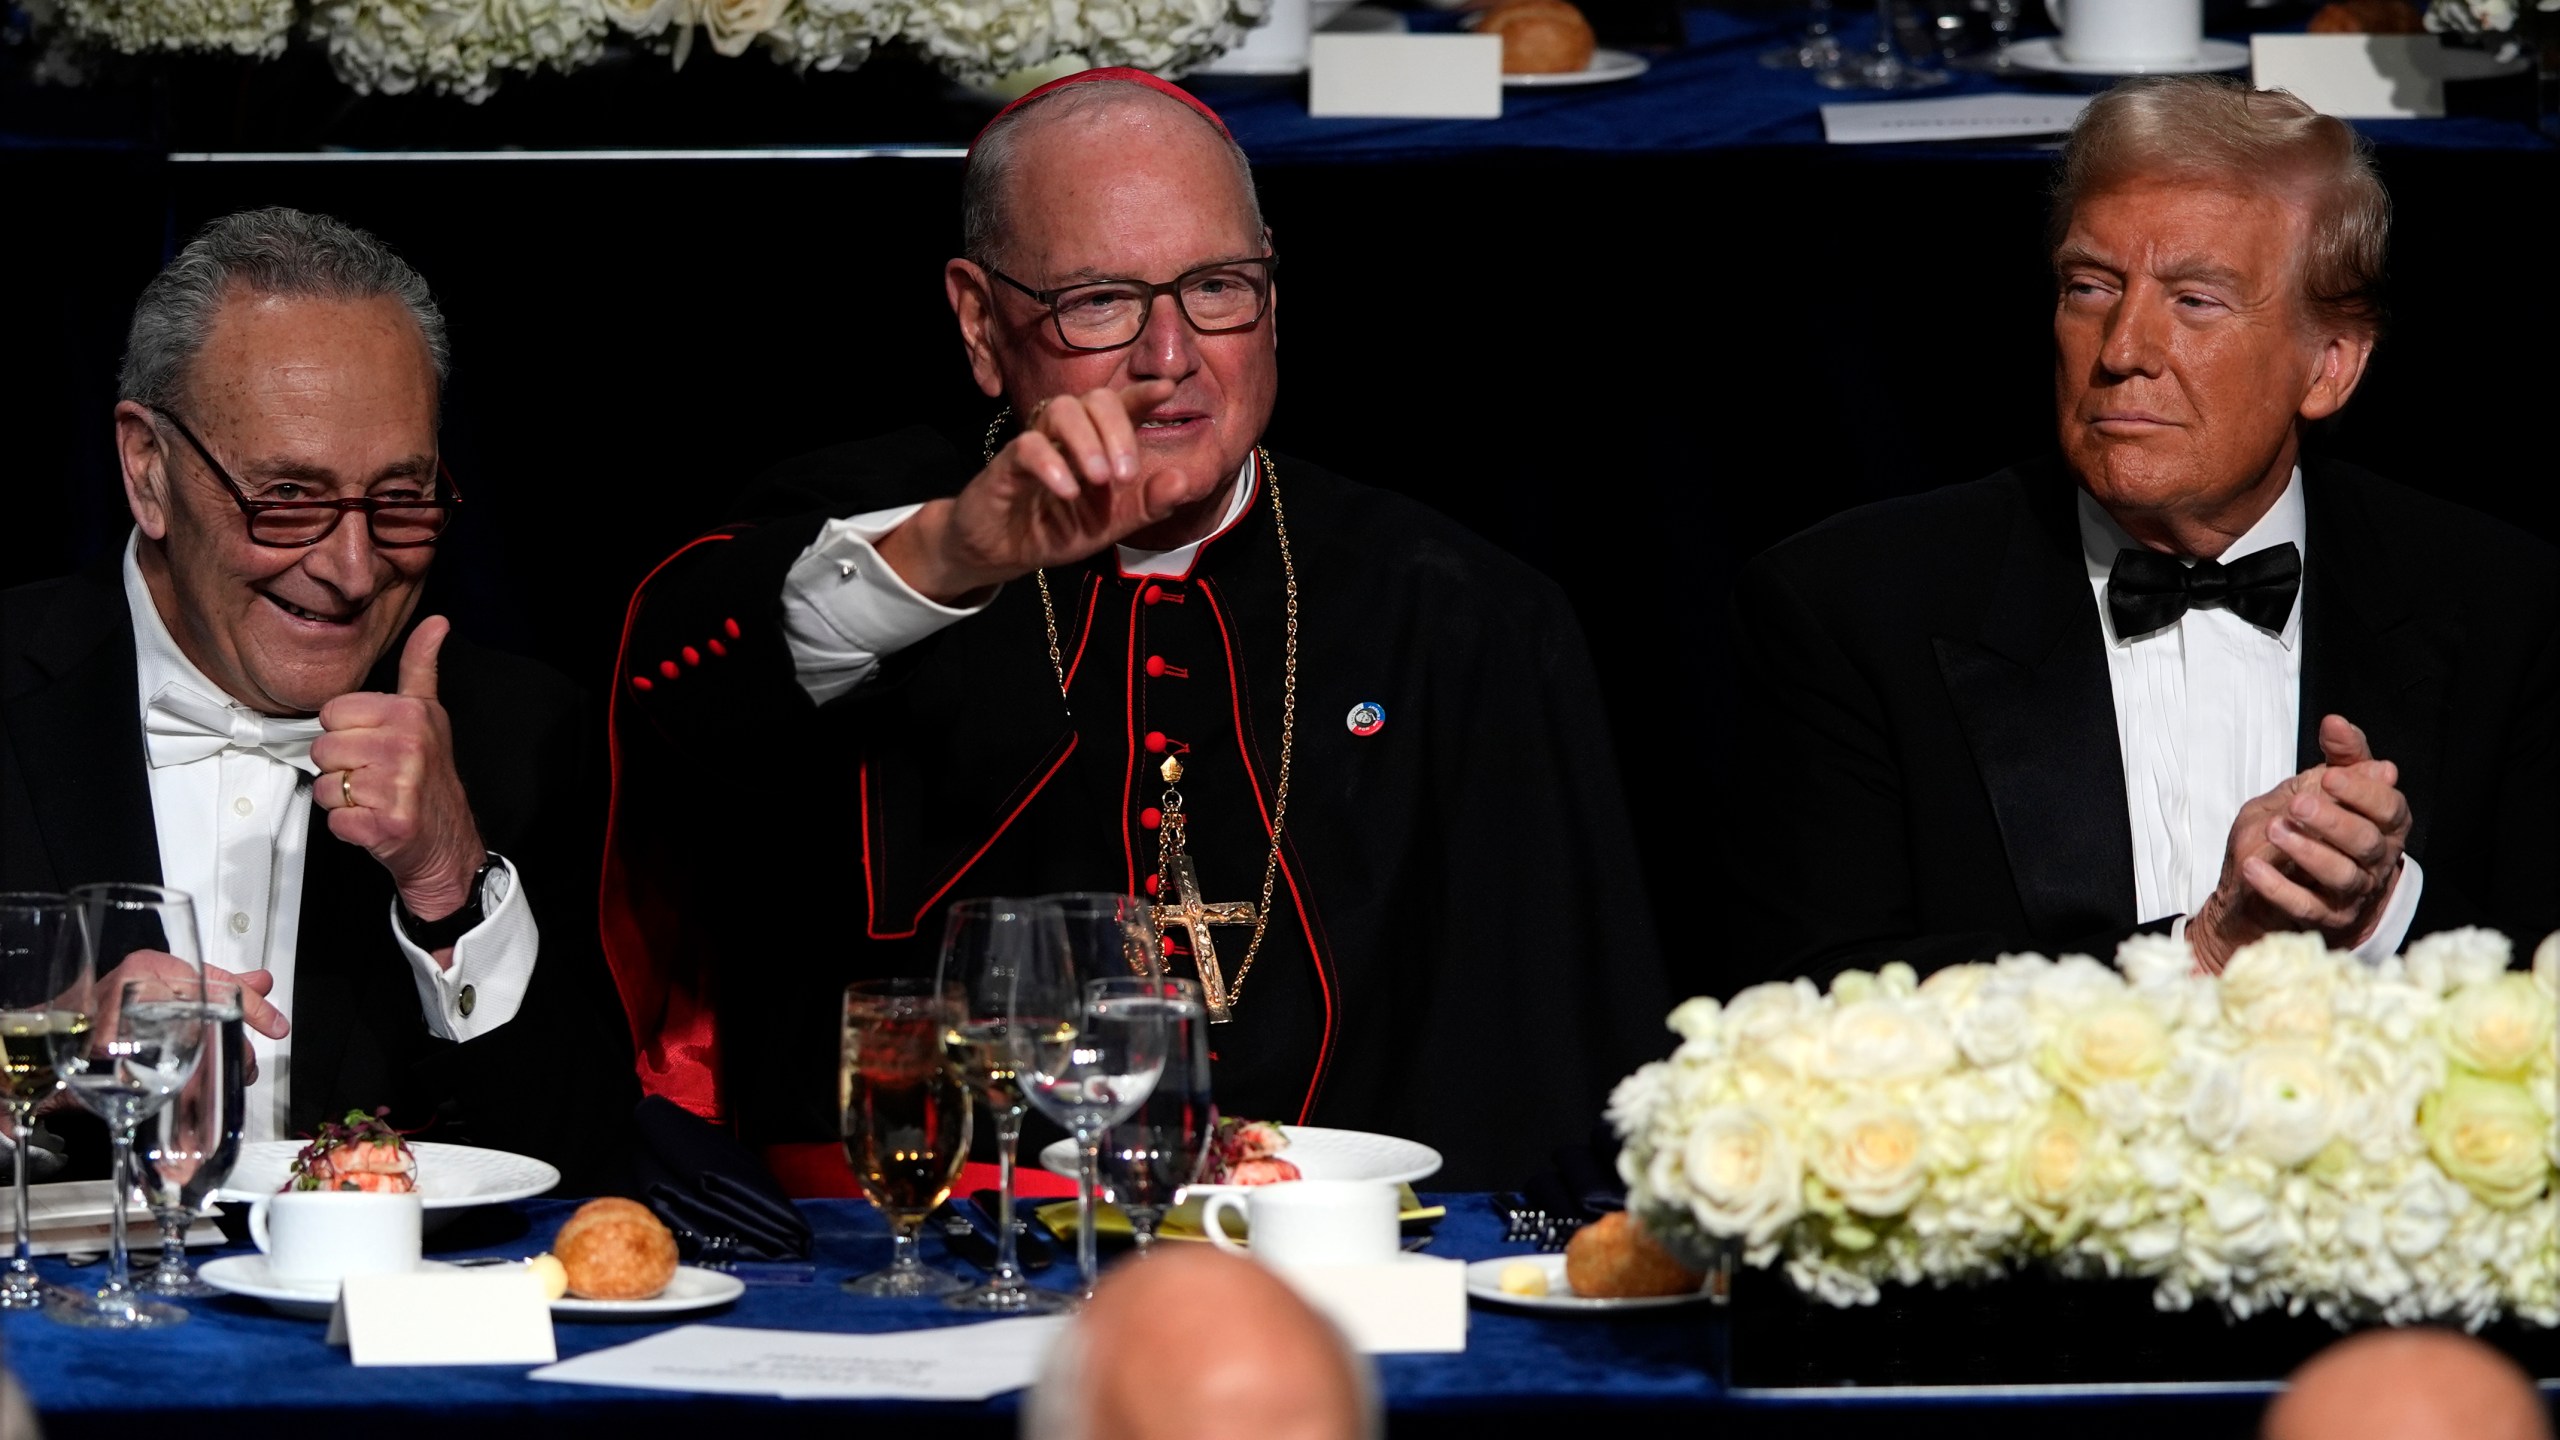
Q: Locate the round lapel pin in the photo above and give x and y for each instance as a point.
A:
(1366, 718)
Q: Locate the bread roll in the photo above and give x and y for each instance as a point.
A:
(2367, 17)
(1539, 37)
(614, 1249)
(1613, 1259)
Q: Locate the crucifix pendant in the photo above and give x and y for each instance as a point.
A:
(1193, 917)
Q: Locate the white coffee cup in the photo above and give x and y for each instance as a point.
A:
(320, 1237)
(1311, 1222)
(2130, 33)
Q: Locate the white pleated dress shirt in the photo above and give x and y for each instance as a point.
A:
(233, 828)
(2208, 712)
(844, 608)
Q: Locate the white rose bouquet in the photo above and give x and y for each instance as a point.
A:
(2304, 1132)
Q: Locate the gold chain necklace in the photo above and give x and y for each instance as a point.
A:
(1177, 882)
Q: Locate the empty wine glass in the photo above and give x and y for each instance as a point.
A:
(1148, 1158)
(906, 1119)
(142, 975)
(39, 978)
(195, 1139)
(989, 948)
(1818, 48)
(1882, 67)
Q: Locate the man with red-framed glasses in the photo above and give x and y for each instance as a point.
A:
(380, 824)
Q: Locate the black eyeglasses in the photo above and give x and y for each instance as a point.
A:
(396, 522)
(1107, 314)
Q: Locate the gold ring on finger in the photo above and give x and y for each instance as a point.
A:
(347, 788)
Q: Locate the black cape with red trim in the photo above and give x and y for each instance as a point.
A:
(1459, 952)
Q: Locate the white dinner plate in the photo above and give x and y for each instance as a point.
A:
(1604, 67)
(692, 1289)
(1484, 1282)
(450, 1177)
(2044, 54)
(1320, 1153)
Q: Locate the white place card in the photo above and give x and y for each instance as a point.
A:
(2367, 77)
(445, 1317)
(1413, 1304)
(1960, 117)
(1406, 77)
(951, 1362)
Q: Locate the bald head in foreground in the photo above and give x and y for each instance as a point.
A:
(2408, 1385)
(1278, 1371)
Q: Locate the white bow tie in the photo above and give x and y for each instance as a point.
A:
(182, 725)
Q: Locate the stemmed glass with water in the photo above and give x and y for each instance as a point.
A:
(996, 955)
(40, 999)
(1148, 1158)
(192, 1143)
(142, 978)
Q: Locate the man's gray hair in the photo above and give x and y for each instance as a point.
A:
(261, 252)
(984, 224)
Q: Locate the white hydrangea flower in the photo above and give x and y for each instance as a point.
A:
(241, 27)
(458, 47)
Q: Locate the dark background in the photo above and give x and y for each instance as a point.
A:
(1633, 372)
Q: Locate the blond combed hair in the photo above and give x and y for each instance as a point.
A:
(2215, 129)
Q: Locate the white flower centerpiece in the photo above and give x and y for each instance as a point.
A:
(2304, 1133)
(467, 47)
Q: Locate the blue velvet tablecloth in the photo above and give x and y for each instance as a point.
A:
(236, 1368)
(1710, 95)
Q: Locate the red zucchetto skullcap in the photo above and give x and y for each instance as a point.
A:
(1113, 72)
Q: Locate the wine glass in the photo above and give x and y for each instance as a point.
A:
(1090, 1077)
(1882, 67)
(1817, 49)
(195, 1139)
(39, 978)
(988, 948)
(142, 973)
(1148, 1158)
(906, 1119)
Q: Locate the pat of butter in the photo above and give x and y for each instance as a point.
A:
(553, 1275)
(1524, 1278)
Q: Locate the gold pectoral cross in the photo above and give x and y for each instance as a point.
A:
(1194, 917)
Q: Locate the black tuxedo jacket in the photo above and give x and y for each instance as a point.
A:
(1933, 765)
(555, 1082)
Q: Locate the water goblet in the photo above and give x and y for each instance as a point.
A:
(1883, 66)
(1817, 49)
(143, 976)
(39, 978)
(195, 1139)
(906, 1119)
(1149, 1158)
(990, 947)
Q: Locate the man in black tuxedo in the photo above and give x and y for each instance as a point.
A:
(366, 809)
(2178, 677)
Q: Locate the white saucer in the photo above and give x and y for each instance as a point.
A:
(1319, 1152)
(450, 1177)
(1484, 1282)
(692, 1289)
(1605, 66)
(302, 1299)
(2044, 54)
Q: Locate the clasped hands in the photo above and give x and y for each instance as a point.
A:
(2320, 852)
(1072, 482)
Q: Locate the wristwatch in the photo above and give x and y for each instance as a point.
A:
(434, 935)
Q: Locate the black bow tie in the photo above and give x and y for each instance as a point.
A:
(2147, 590)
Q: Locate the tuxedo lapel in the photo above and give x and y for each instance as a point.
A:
(2031, 692)
(77, 730)
(2370, 652)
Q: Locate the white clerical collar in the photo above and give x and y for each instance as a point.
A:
(2101, 537)
(1177, 561)
(157, 660)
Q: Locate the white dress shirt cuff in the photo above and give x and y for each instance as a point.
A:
(844, 608)
(2397, 914)
(492, 962)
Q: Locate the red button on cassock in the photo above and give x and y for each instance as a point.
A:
(1155, 742)
(1155, 666)
(668, 669)
(1166, 945)
(1154, 594)
(643, 682)
(692, 656)
(731, 626)
(718, 649)
(1151, 817)
(1154, 882)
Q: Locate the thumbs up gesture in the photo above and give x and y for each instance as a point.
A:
(388, 782)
